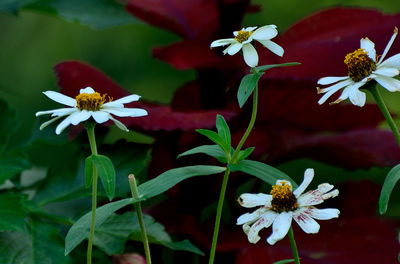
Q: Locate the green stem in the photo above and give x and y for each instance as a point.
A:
(249, 127)
(294, 247)
(93, 147)
(219, 214)
(138, 207)
(379, 101)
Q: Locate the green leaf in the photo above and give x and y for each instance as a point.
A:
(267, 67)
(88, 171)
(184, 245)
(216, 138)
(12, 211)
(247, 86)
(243, 154)
(211, 150)
(261, 170)
(12, 164)
(81, 229)
(13, 6)
(284, 261)
(43, 245)
(172, 177)
(106, 172)
(223, 130)
(8, 124)
(390, 181)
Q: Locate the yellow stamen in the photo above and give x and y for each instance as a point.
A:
(359, 65)
(283, 199)
(243, 35)
(91, 102)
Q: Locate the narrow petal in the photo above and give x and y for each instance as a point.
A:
(234, 48)
(127, 99)
(249, 29)
(264, 222)
(87, 90)
(393, 61)
(264, 33)
(390, 84)
(333, 89)
(45, 124)
(249, 200)
(330, 80)
(280, 227)
(309, 225)
(119, 124)
(322, 214)
(250, 55)
(387, 71)
(272, 46)
(369, 47)
(100, 116)
(125, 112)
(308, 177)
(112, 104)
(60, 98)
(79, 116)
(349, 89)
(388, 45)
(222, 42)
(65, 123)
(249, 218)
(57, 112)
(317, 196)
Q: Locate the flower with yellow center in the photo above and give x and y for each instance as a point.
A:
(363, 66)
(90, 104)
(242, 41)
(282, 205)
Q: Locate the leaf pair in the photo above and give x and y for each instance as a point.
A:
(222, 138)
(103, 166)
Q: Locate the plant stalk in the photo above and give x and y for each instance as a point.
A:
(293, 246)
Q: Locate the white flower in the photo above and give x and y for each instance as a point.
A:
(89, 104)
(283, 205)
(363, 67)
(242, 41)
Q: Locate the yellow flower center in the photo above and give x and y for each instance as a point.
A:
(283, 199)
(359, 65)
(243, 35)
(90, 102)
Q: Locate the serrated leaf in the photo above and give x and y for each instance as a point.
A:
(247, 86)
(88, 171)
(390, 181)
(243, 154)
(223, 130)
(106, 173)
(216, 138)
(12, 212)
(262, 171)
(284, 261)
(172, 177)
(264, 68)
(211, 150)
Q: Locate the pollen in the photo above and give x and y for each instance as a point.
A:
(243, 35)
(359, 65)
(91, 102)
(283, 199)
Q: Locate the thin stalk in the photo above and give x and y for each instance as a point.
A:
(249, 127)
(294, 247)
(138, 207)
(218, 217)
(93, 148)
(379, 101)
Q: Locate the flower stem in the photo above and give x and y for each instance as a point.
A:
(379, 101)
(294, 247)
(218, 217)
(138, 207)
(92, 141)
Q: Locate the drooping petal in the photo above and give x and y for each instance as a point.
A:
(272, 46)
(264, 33)
(330, 80)
(249, 218)
(357, 97)
(119, 124)
(264, 222)
(317, 196)
(333, 89)
(308, 177)
(396, 31)
(309, 225)
(369, 47)
(60, 98)
(125, 112)
(66, 122)
(322, 214)
(393, 61)
(249, 200)
(87, 90)
(222, 42)
(45, 124)
(250, 55)
(389, 83)
(57, 112)
(387, 71)
(100, 116)
(127, 99)
(80, 116)
(280, 227)
(234, 48)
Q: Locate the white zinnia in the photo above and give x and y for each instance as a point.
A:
(242, 41)
(284, 205)
(363, 67)
(89, 104)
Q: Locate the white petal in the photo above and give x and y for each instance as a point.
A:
(357, 97)
(249, 200)
(284, 182)
(112, 104)
(369, 47)
(119, 124)
(330, 80)
(390, 84)
(388, 45)
(309, 225)
(333, 89)
(87, 90)
(100, 116)
(272, 46)
(80, 116)
(264, 222)
(349, 89)
(249, 218)
(393, 61)
(60, 98)
(308, 177)
(127, 99)
(45, 124)
(125, 112)
(387, 71)
(249, 29)
(280, 227)
(322, 214)
(250, 55)
(317, 196)
(57, 112)
(234, 48)
(66, 122)
(222, 42)
(264, 33)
